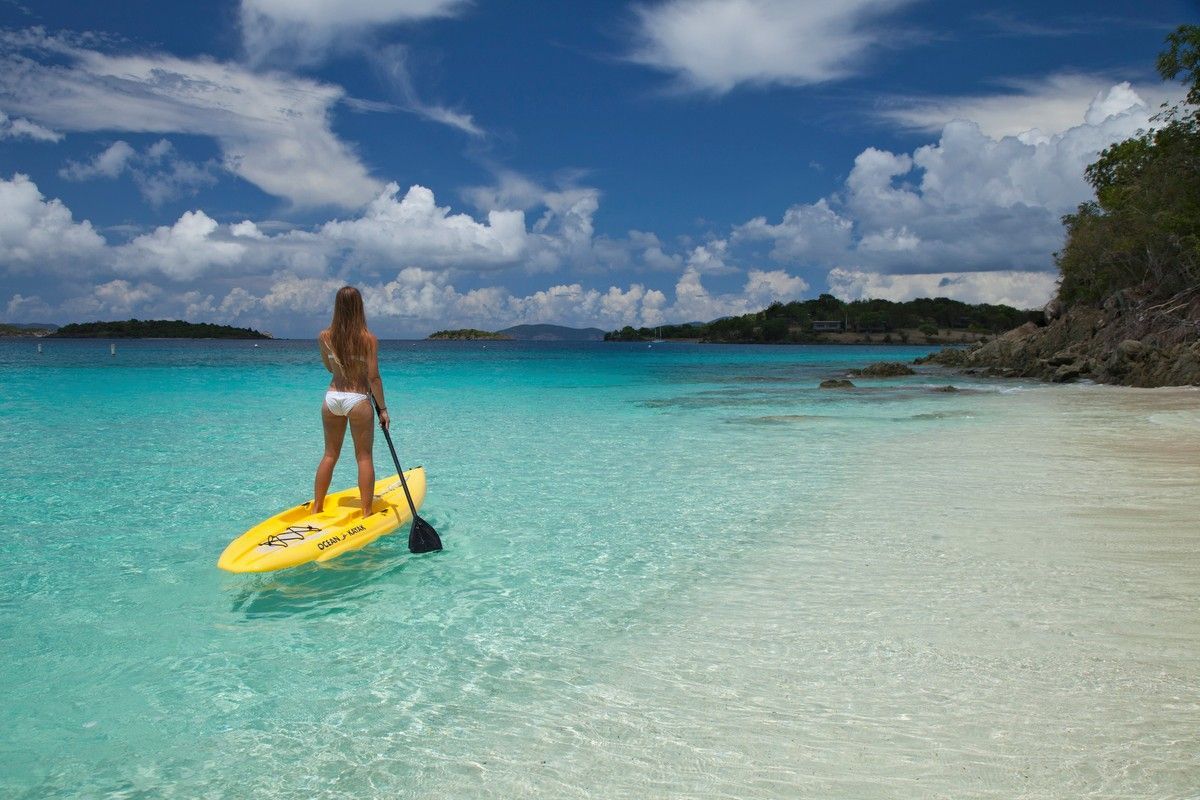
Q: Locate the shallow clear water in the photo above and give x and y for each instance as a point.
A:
(670, 571)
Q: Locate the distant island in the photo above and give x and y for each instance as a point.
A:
(527, 333)
(828, 320)
(37, 329)
(553, 333)
(467, 334)
(153, 329)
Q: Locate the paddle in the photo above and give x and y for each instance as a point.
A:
(422, 538)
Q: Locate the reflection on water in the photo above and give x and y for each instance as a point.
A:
(319, 590)
(316, 590)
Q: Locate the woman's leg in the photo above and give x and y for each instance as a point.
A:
(335, 434)
(362, 429)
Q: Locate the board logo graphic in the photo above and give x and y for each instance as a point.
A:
(293, 534)
(332, 540)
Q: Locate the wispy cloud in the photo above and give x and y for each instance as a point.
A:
(20, 128)
(158, 171)
(1012, 25)
(273, 129)
(109, 163)
(292, 33)
(715, 45)
(1009, 24)
(391, 63)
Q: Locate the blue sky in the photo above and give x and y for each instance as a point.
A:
(479, 163)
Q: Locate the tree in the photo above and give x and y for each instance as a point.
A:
(1143, 229)
(1182, 56)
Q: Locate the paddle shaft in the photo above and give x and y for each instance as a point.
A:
(395, 460)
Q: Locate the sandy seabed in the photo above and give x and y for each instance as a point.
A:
(1006, 609)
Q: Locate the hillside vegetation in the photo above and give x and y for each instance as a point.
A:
(7, 329)
(1142, 230)
(1128, 305)
(153, 329)
(793, 322)
(467, 334)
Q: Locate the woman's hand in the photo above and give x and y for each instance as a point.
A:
(384, 419)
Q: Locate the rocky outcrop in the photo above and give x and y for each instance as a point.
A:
(884, 369)
(836, 383)
(1130, 340)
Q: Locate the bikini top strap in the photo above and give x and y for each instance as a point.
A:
(328, 345)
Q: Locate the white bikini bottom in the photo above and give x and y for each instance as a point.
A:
(340, 403)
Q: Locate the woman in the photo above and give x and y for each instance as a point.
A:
(351, 353)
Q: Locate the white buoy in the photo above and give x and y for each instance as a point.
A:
(39, 347)
(112, 349)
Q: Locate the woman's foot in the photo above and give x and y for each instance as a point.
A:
(370, 508)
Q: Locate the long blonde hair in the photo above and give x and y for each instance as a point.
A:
(348, 335)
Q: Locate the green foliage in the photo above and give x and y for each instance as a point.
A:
(1143, 228)
(792, 322)
(154, 329)
(1182, 56)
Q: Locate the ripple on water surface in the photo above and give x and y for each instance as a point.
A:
(677, 572)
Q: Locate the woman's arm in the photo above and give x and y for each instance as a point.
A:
(376, 382)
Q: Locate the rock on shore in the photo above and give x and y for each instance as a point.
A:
(883, 369)
(1129, 341)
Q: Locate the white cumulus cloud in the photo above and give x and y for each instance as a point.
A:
(694, 302)
(183, 251)
(37, 234)
(967, 202)
(1037, 107)
(1016, 288)
(764, 287)
(809, 234)
(414, 228)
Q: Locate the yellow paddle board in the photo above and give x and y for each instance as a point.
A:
(297, 536)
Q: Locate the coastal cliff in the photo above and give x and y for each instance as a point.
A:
(1128, 304)
(1129, 340)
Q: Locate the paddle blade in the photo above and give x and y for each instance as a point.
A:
(422, 538)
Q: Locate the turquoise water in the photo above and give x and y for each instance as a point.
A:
(670, 571)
